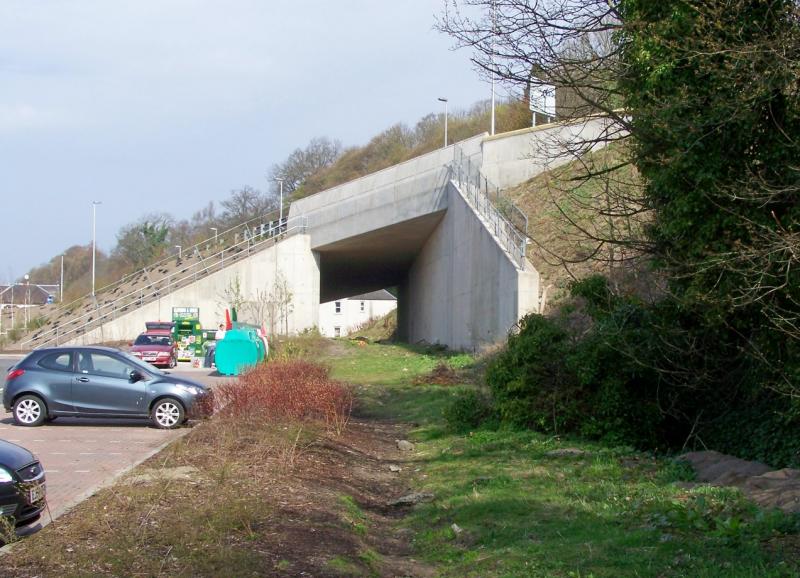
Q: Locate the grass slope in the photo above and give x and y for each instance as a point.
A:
(519, 511)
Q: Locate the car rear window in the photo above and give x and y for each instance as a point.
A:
(153, 340)
(58, 361)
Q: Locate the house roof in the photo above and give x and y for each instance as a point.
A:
(38, 295)
(380, 295)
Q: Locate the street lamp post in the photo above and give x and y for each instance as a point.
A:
(94, 241)
(280, 210)
(178, 247)
(61, 285)
(444, 100)
(215, 234)
(27, 299)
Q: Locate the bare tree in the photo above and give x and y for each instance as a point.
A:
(245, 204)
(320, 152)
(571, 45)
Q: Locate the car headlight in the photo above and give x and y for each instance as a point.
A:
(5, 476)
(189, 389)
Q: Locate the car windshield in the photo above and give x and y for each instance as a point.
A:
(141, 364)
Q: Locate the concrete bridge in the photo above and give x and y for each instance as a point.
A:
(426, 226)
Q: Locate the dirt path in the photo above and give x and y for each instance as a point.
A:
(351, 473)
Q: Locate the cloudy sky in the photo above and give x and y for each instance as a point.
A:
(164, 105)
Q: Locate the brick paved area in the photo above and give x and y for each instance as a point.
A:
(80, 456)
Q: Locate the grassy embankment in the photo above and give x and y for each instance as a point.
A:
(519, 512)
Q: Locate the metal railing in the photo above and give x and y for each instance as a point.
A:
(260, 238)
(222, 238)
(503, 218)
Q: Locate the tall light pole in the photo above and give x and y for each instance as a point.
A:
(215, 234)
(61, 285)
(280, 213)
(444, 100)
(27, 299)
(94, 241)
(178, 247)
(494, 27)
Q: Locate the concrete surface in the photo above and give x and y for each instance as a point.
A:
(291, 261)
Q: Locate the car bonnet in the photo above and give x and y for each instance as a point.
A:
(14, 456)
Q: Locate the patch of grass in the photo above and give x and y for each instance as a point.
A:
(353, 516)
(521, 512)
(344, 567)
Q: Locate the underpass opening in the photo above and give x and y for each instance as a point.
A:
(374, 260)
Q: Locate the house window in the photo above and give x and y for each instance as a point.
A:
(338, 306)
(337, 331)
(362, 306)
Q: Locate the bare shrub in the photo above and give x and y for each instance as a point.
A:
(295, 390)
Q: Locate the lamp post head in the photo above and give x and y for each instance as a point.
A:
(441, 99)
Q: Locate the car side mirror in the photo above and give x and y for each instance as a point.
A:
(136, 376)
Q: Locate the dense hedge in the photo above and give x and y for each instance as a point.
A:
(633, 379)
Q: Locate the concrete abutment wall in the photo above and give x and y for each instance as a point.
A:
(463, 290)
(291, 261)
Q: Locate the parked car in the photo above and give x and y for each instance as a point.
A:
(22, 485)
(157, 348)
(99, 382)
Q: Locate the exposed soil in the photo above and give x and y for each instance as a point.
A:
(357, 465)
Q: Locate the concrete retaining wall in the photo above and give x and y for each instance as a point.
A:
(291, 259)
(515, 157)
(463, 290)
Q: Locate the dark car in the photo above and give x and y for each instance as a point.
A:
(155, 347)
(22, 485)
(98, 382)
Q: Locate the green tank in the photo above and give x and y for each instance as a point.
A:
(241, 349)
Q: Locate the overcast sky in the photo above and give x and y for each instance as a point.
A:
(164, 105)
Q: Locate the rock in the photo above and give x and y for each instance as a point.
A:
(405, 446)
(413, 499)
(394, 468)
(721, 469)
(768, 489)
(456, 529)
(567, 453)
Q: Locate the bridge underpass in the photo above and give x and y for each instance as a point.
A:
(376, 260)
(424, 226)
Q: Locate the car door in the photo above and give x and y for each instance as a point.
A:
(57, 372)
(102, 385)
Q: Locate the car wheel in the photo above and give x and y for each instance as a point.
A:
(29, 411)
(167, 413)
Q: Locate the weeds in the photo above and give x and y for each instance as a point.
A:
(290, 390)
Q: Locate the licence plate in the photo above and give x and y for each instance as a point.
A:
(149, 358)
(36, 493)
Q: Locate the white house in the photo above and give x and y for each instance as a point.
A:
(341, 317)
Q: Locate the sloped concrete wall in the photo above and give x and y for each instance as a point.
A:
(291, 259)
(514, 157)
(463, 290)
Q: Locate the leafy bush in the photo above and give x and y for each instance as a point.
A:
(467, 411)
(655, 376)
(293, 390)
(531, 385)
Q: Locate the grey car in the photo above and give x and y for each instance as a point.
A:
(99, 382)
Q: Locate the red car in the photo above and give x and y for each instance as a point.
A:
(156, 345)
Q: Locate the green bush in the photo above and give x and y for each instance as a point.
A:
(655, 376)
(467, 411)
(531, 385)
